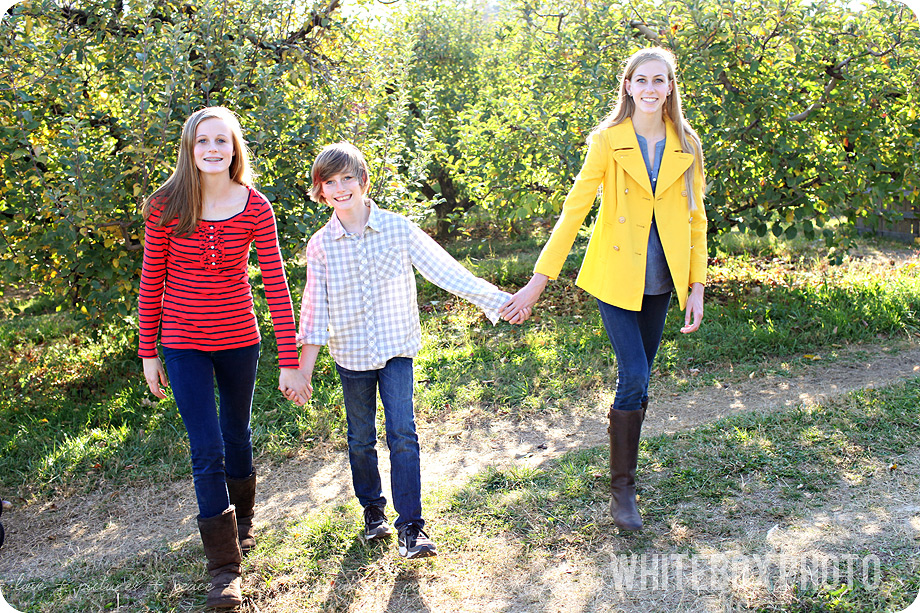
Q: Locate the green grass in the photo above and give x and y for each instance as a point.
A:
(75, 412)
(714, 482)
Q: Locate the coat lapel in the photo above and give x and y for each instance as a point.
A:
(627, 154)
(674, 162)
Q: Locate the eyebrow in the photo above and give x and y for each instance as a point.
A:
(638, 74)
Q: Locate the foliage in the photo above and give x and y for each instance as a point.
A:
(92, 105)
(807, 111)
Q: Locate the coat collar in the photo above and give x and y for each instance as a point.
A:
(626, 152)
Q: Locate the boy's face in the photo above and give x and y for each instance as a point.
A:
(343, 191)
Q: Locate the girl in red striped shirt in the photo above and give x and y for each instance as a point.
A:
(200, 225)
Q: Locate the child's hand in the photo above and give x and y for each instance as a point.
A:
(294, 386)
(520, 307)
(155, 375)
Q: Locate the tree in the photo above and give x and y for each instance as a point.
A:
(94, 101)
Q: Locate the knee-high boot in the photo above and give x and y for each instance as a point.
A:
(222, 548)
(243, 497)
(624, 430)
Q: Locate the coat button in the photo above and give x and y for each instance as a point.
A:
(684, 193)
(626, 191)
(616, 247)
(622, 220)
(691, 219)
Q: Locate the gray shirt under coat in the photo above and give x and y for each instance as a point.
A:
(657, 275)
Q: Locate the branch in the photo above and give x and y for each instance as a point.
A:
(131, 244)
(645, 31)
(837, 75)
(723, 79)
(817, 104)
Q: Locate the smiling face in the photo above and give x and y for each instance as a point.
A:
(649, 87)
(214, 149)
(344, 191)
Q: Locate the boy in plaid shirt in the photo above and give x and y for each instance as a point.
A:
(360, 299)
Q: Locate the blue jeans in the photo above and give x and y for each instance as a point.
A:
(221, 444)
(395, 382)
(635, 336)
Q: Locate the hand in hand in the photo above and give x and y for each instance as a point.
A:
(294, 386)
(520, 307)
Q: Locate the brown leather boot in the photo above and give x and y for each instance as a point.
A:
(222, 548)
(243, 497)
(624, 430)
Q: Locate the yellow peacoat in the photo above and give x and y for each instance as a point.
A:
(614, 266)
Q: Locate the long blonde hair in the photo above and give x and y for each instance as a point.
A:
(180, 196)
(673, 110)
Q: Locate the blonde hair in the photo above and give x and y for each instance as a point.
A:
(180, 196)
(337, 159)
(673, 110)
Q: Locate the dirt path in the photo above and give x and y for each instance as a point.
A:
(99, 530)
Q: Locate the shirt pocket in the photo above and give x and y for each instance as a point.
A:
(391, 264)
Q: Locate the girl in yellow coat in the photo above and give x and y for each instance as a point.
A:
(649, 240)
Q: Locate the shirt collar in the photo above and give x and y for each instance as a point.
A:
(373, 222)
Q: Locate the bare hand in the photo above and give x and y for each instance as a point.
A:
(294, 386)
(520, 307)
(694, 311)
(155, 375)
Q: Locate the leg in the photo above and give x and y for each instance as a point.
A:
(651, 321)
(624, 332)
(235, 370)
(360, 393)
(191, 376)
(635, 337)
(396, 387)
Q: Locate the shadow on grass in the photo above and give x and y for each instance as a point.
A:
(720, 488)
(356, 565)
(406, 595)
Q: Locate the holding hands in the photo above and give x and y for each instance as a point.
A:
(520, 307)
(294, 386)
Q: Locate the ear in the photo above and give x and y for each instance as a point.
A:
(628, 84)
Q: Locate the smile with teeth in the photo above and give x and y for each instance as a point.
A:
(213, 159)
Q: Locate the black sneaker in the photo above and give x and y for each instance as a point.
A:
(375, 523)
(414, 543)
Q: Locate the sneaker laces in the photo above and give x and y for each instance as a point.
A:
(374, 514)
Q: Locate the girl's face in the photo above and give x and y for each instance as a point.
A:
(649, 87)
(213, 146)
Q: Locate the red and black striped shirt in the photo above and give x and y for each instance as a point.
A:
(197, 286)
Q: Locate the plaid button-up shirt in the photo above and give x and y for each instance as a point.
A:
(360, 297)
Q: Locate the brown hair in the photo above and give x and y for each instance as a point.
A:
(673, 110)
(335, 159)
(180, 196)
